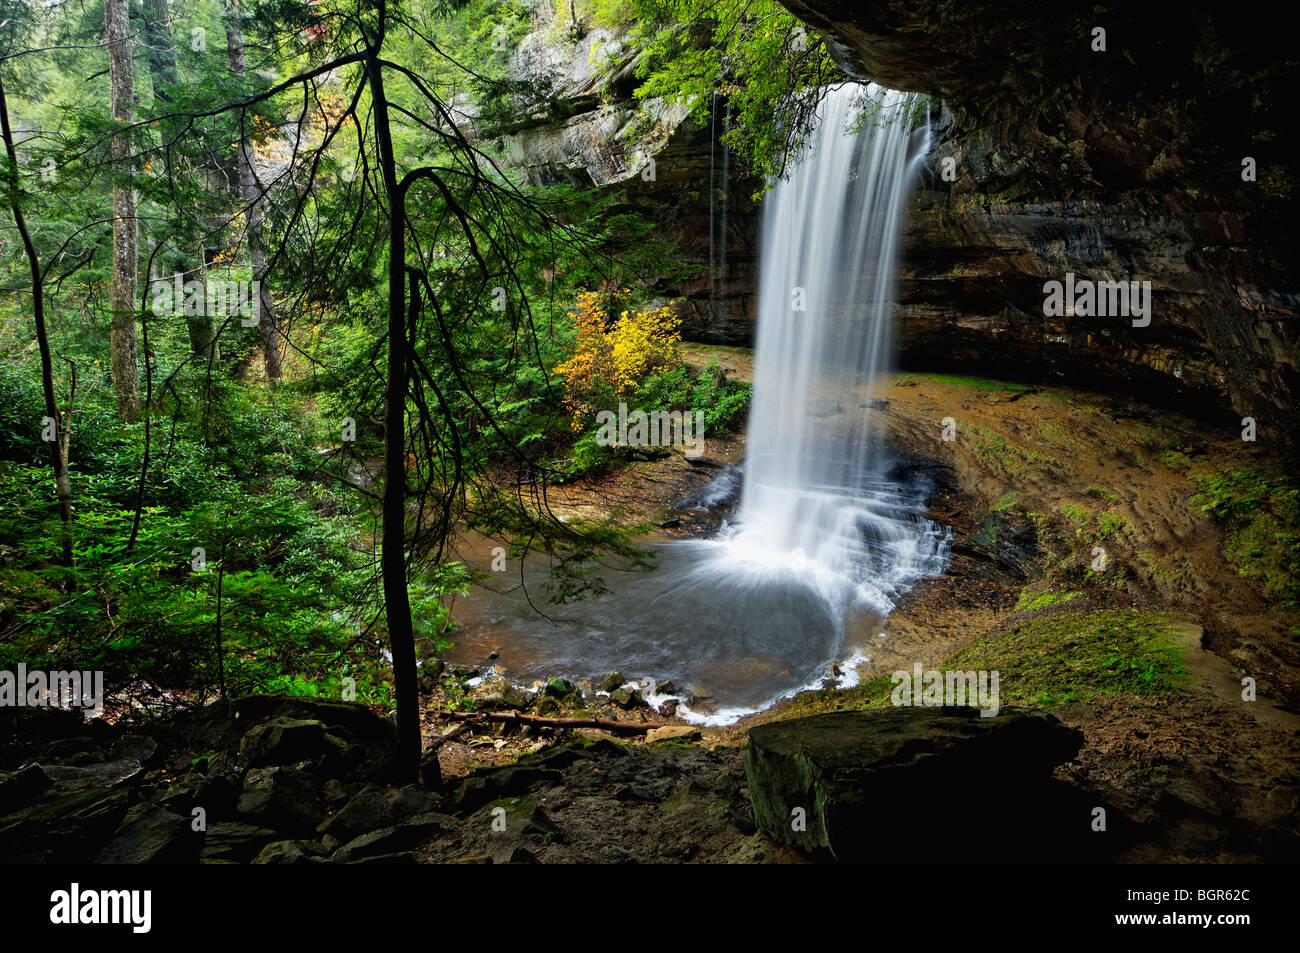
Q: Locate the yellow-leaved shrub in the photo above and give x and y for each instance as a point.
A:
(610, 362)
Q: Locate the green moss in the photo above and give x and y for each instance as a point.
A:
(1075, 514)
(1060, 656)
(978, 383)
(1261, 512)
(1113, 526)
(1030, 600)
(1005, 502)
(1068, 655)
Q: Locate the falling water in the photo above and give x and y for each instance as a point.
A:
(829, 532)
(814, 491)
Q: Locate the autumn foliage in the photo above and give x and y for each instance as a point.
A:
(611, 361)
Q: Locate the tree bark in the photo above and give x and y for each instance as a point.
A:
(58, 446)
(160, 47)
(121, 299)
(266, 325)
(397, 601)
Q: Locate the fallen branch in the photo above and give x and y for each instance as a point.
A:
(514, 718)
(448, 736)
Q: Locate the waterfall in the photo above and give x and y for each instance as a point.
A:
(829, 532)
(815, 491)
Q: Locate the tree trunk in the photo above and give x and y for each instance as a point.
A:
(248, 196)
(58, 446)
(397, 602)
(121, 298)
(160, 47)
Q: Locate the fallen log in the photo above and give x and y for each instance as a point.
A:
(514, 718)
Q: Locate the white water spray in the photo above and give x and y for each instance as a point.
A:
(815, 496)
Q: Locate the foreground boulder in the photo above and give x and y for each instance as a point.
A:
(920, 785)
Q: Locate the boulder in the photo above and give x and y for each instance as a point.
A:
(611, 682)
(19, 788)
(348, 741)
(284, 798)
(234, 842)
(283, 741)
(500, 828)
(915, 784)
(495, 692)
(101, 776)
(495, 783)
(401, 838)
(672, 733)
(627, 698)
(558, 687)
(151, 835)
(64, 825)
(373, 807)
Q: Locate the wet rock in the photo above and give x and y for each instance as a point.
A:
(666, 687)
(290, 852)
(374, 807)
(234, 842)
(558, 687)
(64, 825)
(627, 698)
(151, 835)
(282, 797)
(574, 700)
(19, 788)
(669, 708)
(283, 741)
(495, 783)
(548, 706)
(611, 682)
(387, 841)
(824, 407)
(825, 783)
(495, 692)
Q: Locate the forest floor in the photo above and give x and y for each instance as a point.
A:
(1034, 483)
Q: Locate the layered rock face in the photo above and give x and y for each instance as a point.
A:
(1122, 164)
(1119, 164)
(651, 160)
